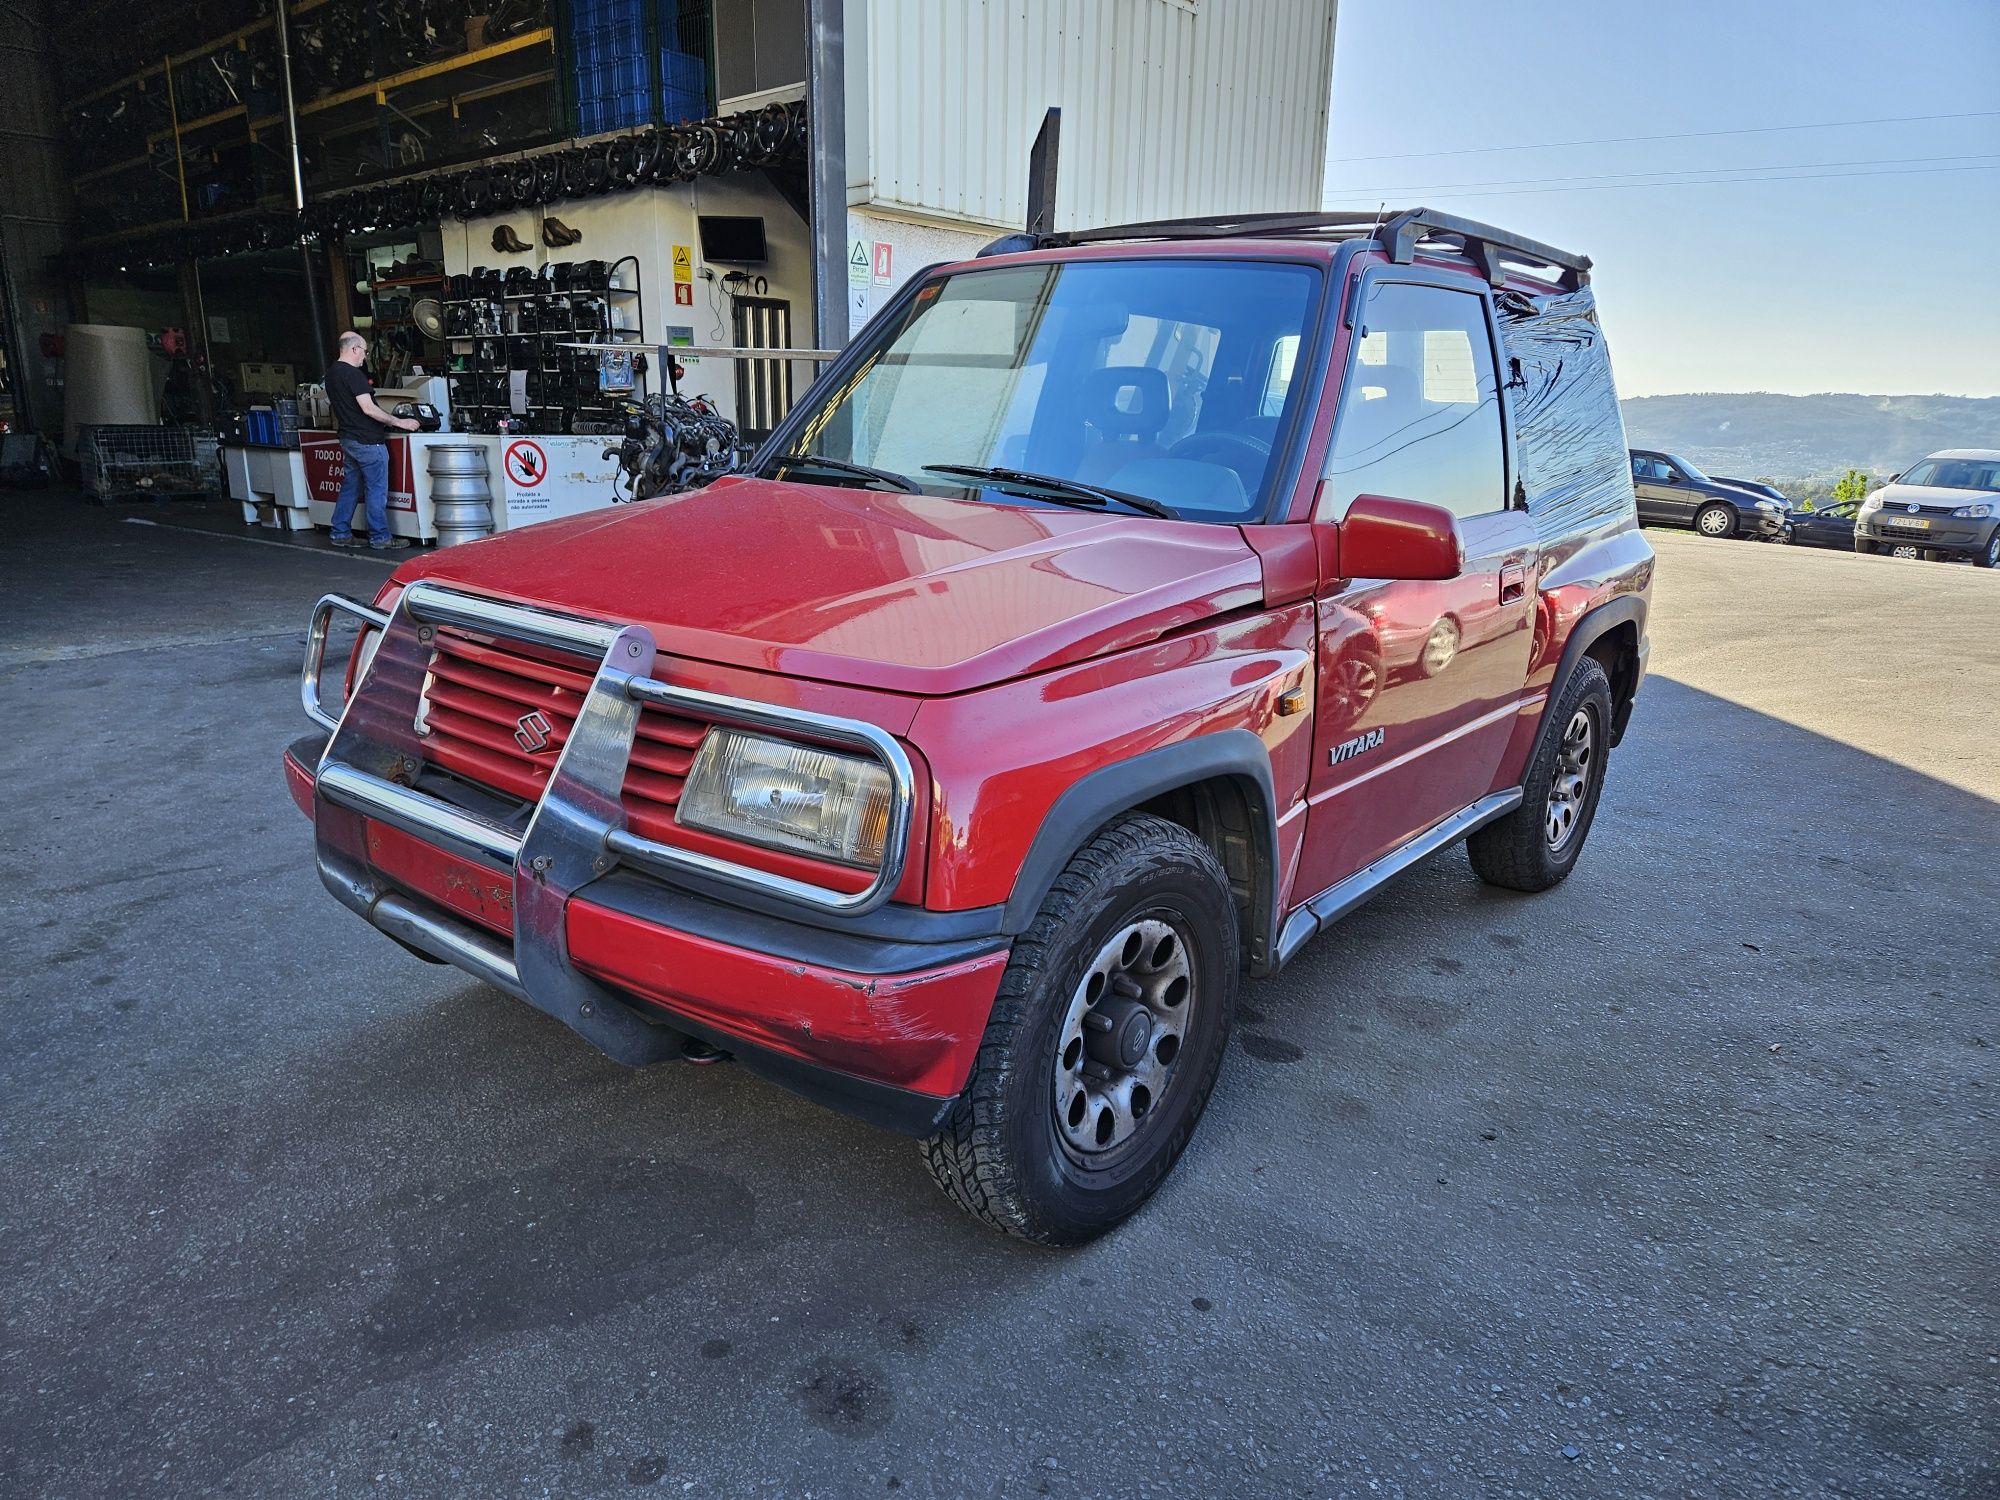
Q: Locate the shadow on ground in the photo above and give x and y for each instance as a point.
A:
(1685, 1166)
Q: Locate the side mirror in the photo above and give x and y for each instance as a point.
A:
(1673, 476)
(1388, 538)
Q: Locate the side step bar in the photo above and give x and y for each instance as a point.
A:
(1337, 900)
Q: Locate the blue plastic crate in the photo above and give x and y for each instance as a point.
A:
(584, 14)
(683, 87)
(604, 44)
(613, 112)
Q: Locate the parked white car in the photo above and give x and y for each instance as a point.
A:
(1947, 505)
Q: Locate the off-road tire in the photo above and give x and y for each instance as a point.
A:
(1001, 1155)
(1716, 507)
(1514, 852)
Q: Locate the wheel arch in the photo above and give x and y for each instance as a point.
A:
(1611, 633)
(1217, 786)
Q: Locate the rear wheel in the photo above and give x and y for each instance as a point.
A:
(1715, 519)
(1104, 1042)
(1536, 845)
(1915, 554)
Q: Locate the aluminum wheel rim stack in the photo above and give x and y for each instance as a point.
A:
(461, 497)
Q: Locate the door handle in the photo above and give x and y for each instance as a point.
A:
(1513, 583)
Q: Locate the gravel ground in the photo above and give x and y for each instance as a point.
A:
(1675, 1181)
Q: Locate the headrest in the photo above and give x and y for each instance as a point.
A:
(1126, 400)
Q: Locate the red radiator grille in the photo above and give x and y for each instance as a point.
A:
(477, 695)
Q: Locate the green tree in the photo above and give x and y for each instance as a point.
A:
(1853, 485)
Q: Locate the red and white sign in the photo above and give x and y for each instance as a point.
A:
(883, 250)
(570, 475)
(527, 465)
(326, 467)
(684, 294)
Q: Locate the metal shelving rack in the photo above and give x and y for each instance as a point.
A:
(481, 387)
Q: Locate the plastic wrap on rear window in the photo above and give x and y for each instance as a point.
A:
(1570, 436)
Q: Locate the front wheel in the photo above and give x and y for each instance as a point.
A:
(1104, 1042)
(1989, 556)
(1716, 520)
(1536, 845)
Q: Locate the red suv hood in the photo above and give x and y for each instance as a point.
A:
(910, 593)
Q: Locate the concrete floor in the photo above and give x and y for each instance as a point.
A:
(1686, 1167)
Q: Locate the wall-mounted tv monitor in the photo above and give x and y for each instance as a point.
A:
(732, 238)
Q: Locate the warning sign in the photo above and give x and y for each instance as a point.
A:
(882, 250)
(684, 294)
(858, 264)
(527, 466)
(683, 263)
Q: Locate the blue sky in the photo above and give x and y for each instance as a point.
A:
(1885, 283)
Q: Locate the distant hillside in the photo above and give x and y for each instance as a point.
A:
(1751, 435)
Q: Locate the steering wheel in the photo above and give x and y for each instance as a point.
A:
(1234, 450)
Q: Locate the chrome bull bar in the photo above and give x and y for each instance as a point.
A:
(577, 831)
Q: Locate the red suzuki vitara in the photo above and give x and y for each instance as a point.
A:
(1123, 607)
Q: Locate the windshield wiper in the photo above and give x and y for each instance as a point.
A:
(1050, 487)
(842, 466)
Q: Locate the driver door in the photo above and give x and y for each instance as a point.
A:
(1419, 682)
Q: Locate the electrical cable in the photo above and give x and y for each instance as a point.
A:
(1690, 135)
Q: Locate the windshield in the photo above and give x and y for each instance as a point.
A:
(1687, 468)
(1168, 380)
(1956, 474)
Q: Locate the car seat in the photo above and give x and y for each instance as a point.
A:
(1124, 409)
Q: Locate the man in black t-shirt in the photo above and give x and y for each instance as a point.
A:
(364, 441)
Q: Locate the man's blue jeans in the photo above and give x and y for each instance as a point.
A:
(366, 469)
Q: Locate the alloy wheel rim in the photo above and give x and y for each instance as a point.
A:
(1120, 1043)
(1993, 551)
(1571, 782)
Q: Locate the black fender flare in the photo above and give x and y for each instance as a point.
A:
(1091, 802)
(1590, 628)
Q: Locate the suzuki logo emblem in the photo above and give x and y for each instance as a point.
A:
(533, 732)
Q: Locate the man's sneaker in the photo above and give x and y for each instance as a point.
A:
(345, 541)
(394, 544)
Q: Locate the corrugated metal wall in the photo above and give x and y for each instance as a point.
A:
(1170, 107)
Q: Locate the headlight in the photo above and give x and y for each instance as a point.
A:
(1772, 506)
(1978, 510)
(1870, 505)
(798, 798)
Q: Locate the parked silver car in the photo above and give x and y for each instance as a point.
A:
(1947, 505)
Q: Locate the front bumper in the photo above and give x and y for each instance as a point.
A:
(1949, 534)
(1761, 524)
(872, 1008)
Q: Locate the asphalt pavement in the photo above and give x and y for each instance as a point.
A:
(1676, 1181)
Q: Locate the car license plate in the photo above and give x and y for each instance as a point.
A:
(1915, 523)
